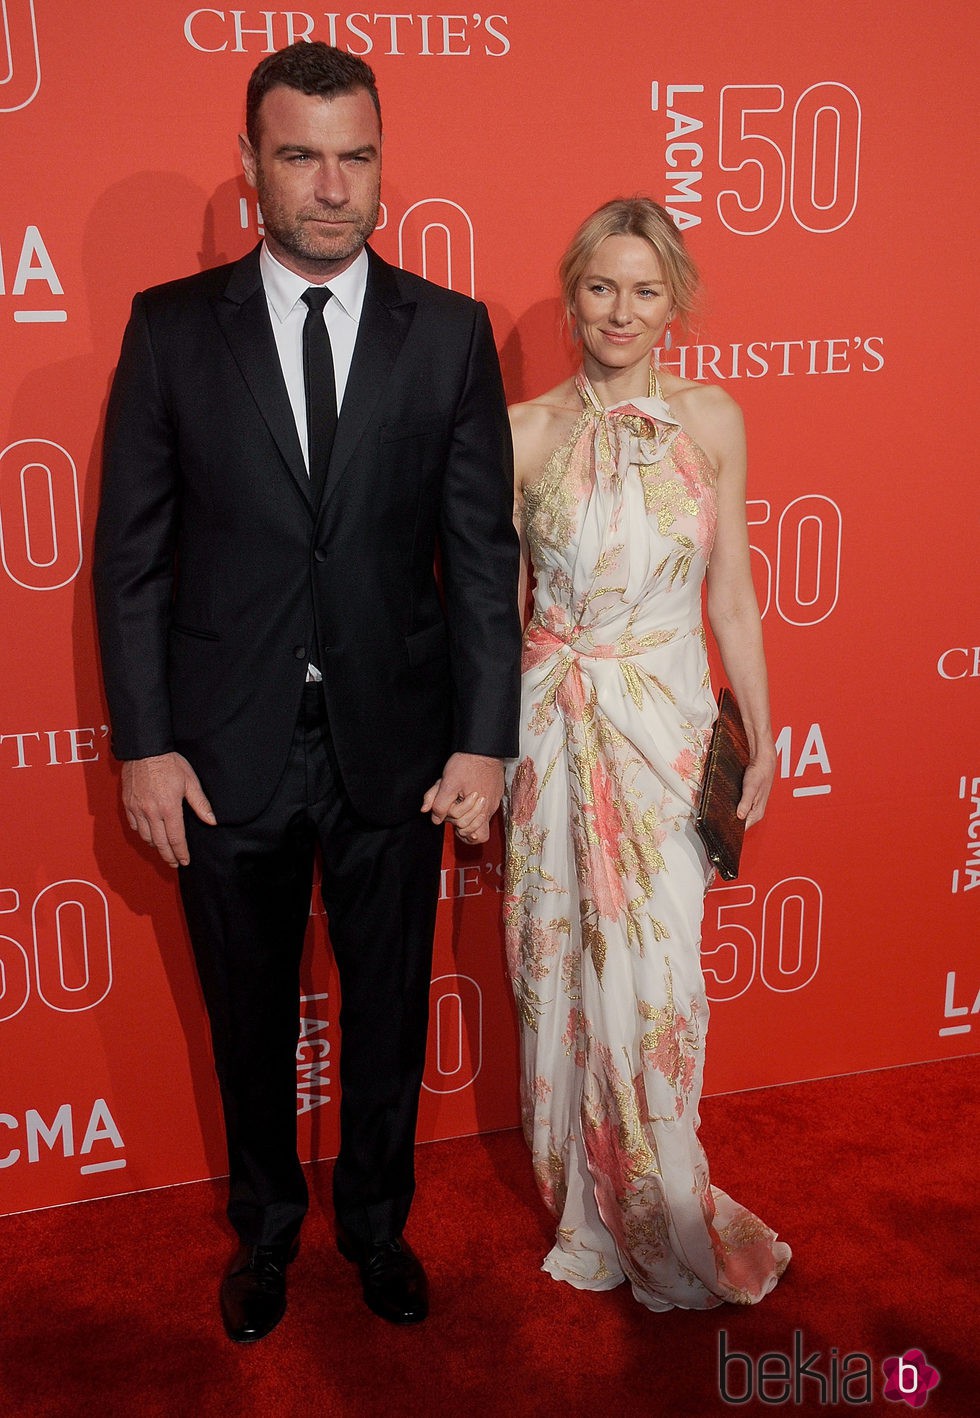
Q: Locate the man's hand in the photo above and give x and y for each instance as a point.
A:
(153, 793)
(467, 795)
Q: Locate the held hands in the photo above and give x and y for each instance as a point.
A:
(467, 795)
(756, 786)
(153, 793)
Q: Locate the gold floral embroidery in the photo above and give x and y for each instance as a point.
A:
(551, 502)
(672, 1045)
(667, 499)
(745, 1230)
(529, 1005)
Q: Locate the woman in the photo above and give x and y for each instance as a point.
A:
(630, 492)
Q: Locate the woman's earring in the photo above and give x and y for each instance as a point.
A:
(668, 339)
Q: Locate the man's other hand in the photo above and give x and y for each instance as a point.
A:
(153, 793)
(467, 795)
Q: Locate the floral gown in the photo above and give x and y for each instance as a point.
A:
(605, 873)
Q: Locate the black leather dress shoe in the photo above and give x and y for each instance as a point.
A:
(392, 1278)
(253, 1293)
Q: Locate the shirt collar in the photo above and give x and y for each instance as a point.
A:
(284, 288)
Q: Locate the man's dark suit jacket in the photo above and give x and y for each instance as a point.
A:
(217, 581)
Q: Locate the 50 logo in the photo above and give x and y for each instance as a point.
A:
(454, 1056)
(822, 155)
(69, 958)
(40, 515)
(777, 941)
(806, 580)
(809, 157)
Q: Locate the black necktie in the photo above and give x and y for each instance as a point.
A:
(321, 391)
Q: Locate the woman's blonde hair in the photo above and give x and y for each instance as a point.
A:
(633, 216)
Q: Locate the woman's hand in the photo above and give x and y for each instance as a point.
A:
(756, 786)
(467, 795)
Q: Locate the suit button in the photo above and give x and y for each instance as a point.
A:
(300, 652)
(319, 555)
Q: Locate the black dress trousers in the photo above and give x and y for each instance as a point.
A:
(246, 895)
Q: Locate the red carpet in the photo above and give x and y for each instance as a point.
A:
(110, 1308)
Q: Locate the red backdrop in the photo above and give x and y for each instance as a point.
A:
(823, 183)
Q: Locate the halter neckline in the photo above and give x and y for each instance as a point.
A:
(591, 399)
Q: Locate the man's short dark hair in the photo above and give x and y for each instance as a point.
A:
(311, 68)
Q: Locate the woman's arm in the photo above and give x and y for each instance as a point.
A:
(523, 425)
(733, 611)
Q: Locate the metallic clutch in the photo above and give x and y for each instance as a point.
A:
(721, 789)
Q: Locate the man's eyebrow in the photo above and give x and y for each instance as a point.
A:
(365, 150)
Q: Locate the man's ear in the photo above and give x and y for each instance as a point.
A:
(249, 160)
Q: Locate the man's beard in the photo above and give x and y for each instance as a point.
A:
(301, 238)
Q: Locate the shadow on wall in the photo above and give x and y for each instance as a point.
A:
(537, 354)
(172, 229)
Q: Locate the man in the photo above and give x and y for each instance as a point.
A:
(281, 468)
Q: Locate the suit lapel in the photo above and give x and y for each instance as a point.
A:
(243, 315)
(384, 323)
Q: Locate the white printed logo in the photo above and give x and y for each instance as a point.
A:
(810, 158)
(953, 1010)
(20, 61)
(967, 877)
(68, 961)
(213, 31)
(33, 1131)
(40, 515)
(34, 264)
(779, 942)
(813, 754)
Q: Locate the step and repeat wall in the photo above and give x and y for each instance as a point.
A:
(816, 158)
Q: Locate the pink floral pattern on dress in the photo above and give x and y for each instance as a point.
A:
(605, 877)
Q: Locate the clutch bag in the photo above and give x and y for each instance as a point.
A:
(717, 825)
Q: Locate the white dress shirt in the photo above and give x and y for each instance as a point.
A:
(284, 292)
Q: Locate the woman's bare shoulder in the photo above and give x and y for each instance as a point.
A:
(708, 400)
(708, 413)
(539, 425)
(548, 408)
(710, 416)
